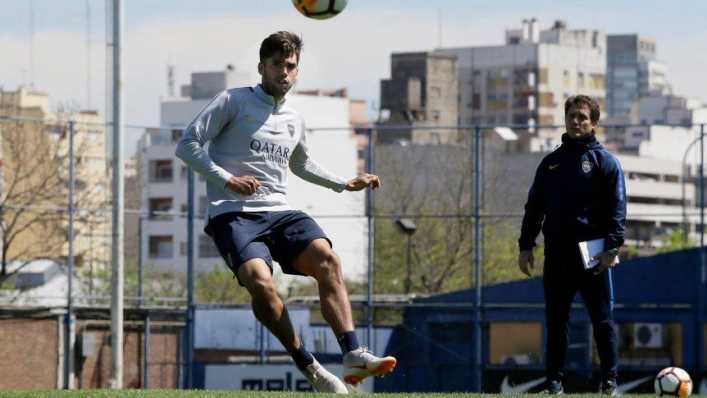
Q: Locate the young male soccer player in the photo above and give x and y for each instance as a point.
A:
(254, 137)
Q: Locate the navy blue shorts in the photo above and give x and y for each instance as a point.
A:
(276, 235)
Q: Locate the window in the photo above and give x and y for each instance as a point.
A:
(161, 170)
(566, 79)
(476, 101)
(543, 76)
(654, 200)
(183, 249)
(547, 100)
(176, 135)
(649, 344)
(516, 343)
(546, 120)
(158, 205)
(203, 205)
(435, 115)
(531, 79)
(207, 248)
(161, 246)
(597, 80)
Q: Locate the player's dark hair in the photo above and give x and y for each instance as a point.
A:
(578, 100)
(282, 42)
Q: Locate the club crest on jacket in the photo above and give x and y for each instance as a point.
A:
(586, 166)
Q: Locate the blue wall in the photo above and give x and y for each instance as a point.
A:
(434, 344)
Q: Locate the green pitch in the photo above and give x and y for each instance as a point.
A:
(242, 394)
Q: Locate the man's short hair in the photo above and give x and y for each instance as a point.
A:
(282, 42)
(578, 100)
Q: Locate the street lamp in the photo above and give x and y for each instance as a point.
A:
(683, 180)
(408, 227)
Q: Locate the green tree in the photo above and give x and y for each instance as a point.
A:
(220, 286)
(674, 241)
(157, 285)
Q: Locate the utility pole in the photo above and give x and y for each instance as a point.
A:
(118, 189)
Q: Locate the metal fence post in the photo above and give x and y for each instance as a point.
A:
(371, 239)
(478, 379)
(700, 318)
(69, 322)
(190, 279)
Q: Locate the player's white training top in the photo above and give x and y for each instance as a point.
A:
(250, 134)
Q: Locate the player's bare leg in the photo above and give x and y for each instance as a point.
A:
(271, 312)
(320, 262)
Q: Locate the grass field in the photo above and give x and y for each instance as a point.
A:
(242, 394)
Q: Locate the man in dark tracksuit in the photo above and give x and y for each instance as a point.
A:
(578, 194)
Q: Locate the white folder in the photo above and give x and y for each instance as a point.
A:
(590, 250)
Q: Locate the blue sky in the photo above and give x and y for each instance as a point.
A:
(352, 50)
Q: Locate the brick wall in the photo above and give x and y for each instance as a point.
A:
(28, 348)
(94, 369)
(29, 353)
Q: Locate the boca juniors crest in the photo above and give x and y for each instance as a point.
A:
(586, 166)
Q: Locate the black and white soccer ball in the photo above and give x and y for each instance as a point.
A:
(319, 9)
(673, 382)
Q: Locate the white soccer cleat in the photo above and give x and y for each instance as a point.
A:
(360, 363)
(322, 380)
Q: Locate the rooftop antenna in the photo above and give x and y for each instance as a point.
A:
(170, 79)
(88, 54)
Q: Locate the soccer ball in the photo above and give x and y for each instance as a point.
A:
(319, 9)
(673, 381)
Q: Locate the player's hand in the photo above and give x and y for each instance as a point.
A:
(363, 181)
(245, 185)
(526, 262)
(606, 261)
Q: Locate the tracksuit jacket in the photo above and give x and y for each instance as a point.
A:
(578, 194)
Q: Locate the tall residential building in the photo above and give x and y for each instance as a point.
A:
(525, 81)
(41, 130)
(421, 94)
(164, 190)
(632, 71)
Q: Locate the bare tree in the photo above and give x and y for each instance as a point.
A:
(34, 193)
(430, 184)
(434, 186)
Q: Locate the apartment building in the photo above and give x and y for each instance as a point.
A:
(632, 71)
(42, 129)
(420, 99)
(655, 204)
(525, 81)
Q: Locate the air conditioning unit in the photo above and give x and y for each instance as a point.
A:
(648, 335)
